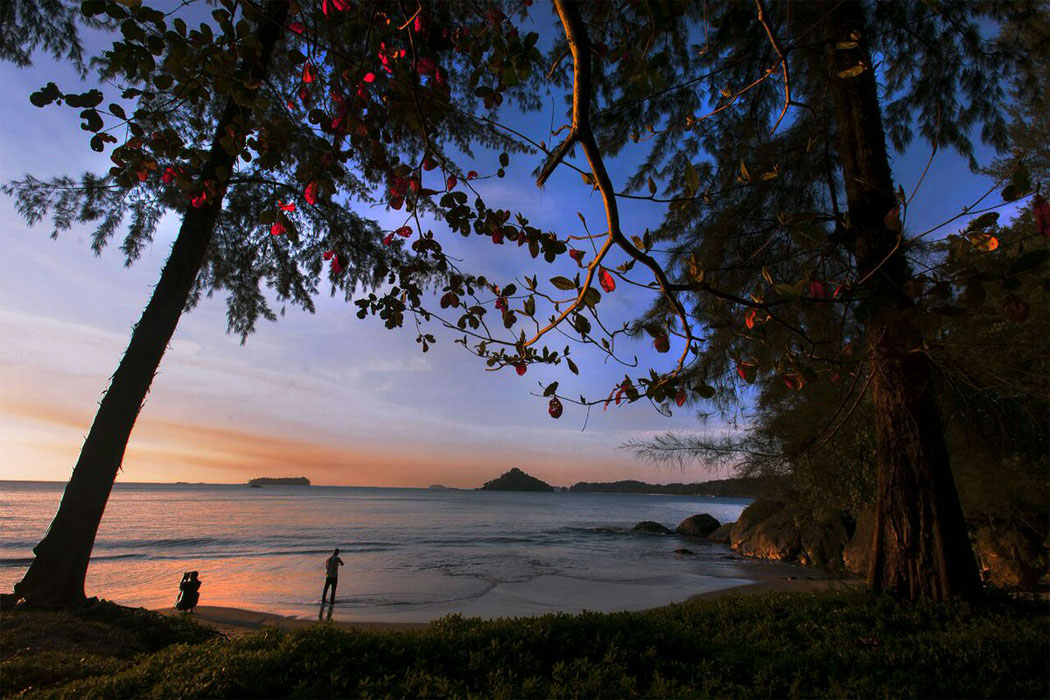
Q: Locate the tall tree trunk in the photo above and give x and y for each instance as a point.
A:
(921, 548)
(56, 576)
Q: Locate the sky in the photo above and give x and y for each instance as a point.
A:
(340, 400)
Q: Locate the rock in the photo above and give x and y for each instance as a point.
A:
(768, 530)
(722, 534)
(651, 528)
(683, 550)
(857, 553)
(1009, 555)
(700, 525)
(823, 539)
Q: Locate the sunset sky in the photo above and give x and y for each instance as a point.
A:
(327, 396)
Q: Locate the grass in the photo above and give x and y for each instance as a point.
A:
(799, 645)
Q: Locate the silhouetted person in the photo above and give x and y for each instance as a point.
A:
(331, 574)
(189, 592)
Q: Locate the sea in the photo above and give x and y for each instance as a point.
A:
(410, 555)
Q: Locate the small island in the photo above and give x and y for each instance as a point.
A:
(279, 481)
(516, 480)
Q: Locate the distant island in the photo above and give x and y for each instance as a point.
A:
(726, 488)
(439, 487)
(279, 481)
(516, 480)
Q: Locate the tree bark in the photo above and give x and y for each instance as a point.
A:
(921, 548)
(56, 575)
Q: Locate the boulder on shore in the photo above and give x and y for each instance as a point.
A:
(722, 534)
(684, 551)
(700, 525)
(1009, 555)
(857, 553)
(651, 528)
(767, 530)
(824, 537)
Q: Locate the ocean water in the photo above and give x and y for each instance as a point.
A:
(410, 554)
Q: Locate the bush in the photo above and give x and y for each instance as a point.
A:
(850, 644)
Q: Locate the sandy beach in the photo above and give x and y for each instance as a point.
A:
(233, 621)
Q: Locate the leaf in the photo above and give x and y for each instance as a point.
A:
(705, 391)
(766, 275)
(983, 221)
(680, 397)
(572, 366)
(854, 71)
(846, 45)
(563, 283)
(551, 389)
(744, 174)
(984, 241)
(45, 95)
(92, 121)
(521, 368)
(310, 193)
(591, 297)
(606, 280)
(652, 186)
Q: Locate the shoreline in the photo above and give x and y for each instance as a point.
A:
(235, 622)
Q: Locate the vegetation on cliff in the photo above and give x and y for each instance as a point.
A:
(727, 488)
(516, 480)
(279, 481)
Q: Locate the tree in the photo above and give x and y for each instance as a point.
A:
(247, 138)
(783, 110)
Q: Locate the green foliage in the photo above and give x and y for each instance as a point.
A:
(43, 648)
(787, 645)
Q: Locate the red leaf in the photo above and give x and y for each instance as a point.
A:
(328, 254)
(794, 381)
(577, 255)
(472, 174)
(169, 176)
(369, 78)
(749, 318)
(680, 397)
(521, 368)
(554, 408)
(662, 344)
(285, 207)
(308, 72)
(426, 66)
(404, 231)
(388, 238)
(297, 27)
(501, 303)
(310, 193)
(451, 182)
(336, 265)
(817, 291)
(607, 281)
(1042, 215)
(428, 163)
(200, 200)
(277, 229)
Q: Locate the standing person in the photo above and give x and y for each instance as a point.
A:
(331, 575)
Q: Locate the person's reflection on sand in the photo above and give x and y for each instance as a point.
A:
(321, 613)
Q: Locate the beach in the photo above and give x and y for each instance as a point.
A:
(234, 622)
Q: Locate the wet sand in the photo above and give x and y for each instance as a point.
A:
(237, 621)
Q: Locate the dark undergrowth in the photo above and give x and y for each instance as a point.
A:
(779, 645)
